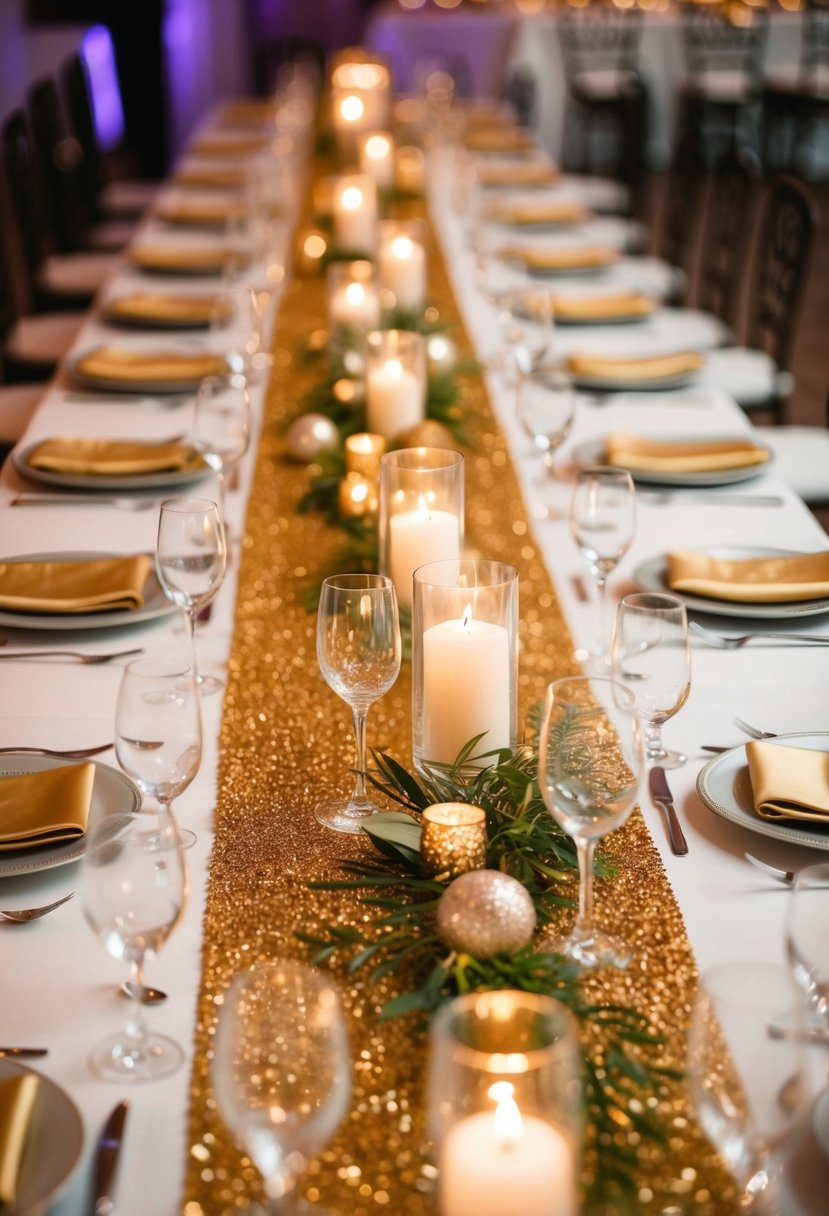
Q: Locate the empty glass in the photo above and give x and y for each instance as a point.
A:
(807, 942)
(650, 652)
(546, 407)
(358, 650)
(525, 319)
(603, 525)
(221, 427)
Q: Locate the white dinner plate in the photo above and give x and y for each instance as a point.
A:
(650, 384)
(592, 452)
(112, 792)
(155, 603)
(88, 481)
(54, 1145)
(114, 385)
(725, 788)
(651, 575)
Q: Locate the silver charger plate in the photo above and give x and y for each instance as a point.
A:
(54, 1145)
(650, 575)
(89, 481)
(114, 385)
(155, 603)
(112, 792)
(592, 452)
(725, 788)
(650, 384)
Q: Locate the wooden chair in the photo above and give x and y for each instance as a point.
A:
(726, 237)
(796, 104)
(681, 208)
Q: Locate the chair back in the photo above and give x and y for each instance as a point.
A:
(77, 99)
(521, 93)
(25, 218)
(681, 205)
(722, 53)
(600, 39)
(729, 224)
(814, 55)
(58, 156)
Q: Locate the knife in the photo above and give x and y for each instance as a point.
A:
(105, 1165)
(31, 1052)
(660, 793)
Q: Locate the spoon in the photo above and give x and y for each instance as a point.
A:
(143, 993)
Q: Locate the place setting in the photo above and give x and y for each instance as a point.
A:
(681, 461)
(145, 368)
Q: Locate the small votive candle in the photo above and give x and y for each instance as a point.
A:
(453, 839)
(363, 452)
(377, 158)
(409, 170)
(359, 496)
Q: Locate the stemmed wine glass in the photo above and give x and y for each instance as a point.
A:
(747, 1086)
(650, 651)
(358, 650)
(191, 560)
(282, 1070)
(546, 407)
(525, 318)
(221, 427)
(807, 942)
(603, 524)
(589, 766)
(133, 892)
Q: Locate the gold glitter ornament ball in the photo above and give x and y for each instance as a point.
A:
(310, 435)
(426, 434)
(484, 913)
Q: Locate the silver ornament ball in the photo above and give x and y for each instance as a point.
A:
(310, 435)
(485, 913)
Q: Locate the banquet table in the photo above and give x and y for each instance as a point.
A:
(60, 986)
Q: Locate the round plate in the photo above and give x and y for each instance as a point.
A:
(607, 384)
(155, 604)
(650, 575)
(54, 1146)
(89, 481)
(592, 452)
(136, 321)
(112, 792)
(725, 788)
(114, 385)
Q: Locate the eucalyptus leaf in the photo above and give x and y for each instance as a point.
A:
(395, 835)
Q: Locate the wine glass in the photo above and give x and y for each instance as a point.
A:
(281, 1070)
(748, 1087)
(133, 892)
(158, 731)
(221, 427)
(358, 650)
(807, 942)
(525, 318)
(650, 650)
(589, 765)
(546, 407)
(603, 524)
(191, 560)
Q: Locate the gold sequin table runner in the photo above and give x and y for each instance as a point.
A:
(286, 739)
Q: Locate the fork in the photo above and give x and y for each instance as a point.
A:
(70, 654)
(753, 731)
(734, 643)
(83, 500)
(23, 915)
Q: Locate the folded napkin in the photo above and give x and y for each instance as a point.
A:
(584, 257)
(115, 363)
(789, 782)
(695, 456)
(210, 177)
(499, 139)
(567, 211)
(196, 310)
(620, 367)
(174, 260)
(517, 175)
(112, 457)
(621, 305)
(17, 1104)
(203, 211)
(104, 584)
(218, 145)
(46, 807)
(764, 580)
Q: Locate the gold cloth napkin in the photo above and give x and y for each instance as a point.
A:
(198, 310)
(46, 807)
(203, 211)
(103, 584)
(115, 363)
(112, 457)
(218, 178)
(517, 175)
(217, 145)
(500, 139)
(695, 456)
(17, 1103)
(173, 260)
(765, 580)
(620, 367)
(620, 304)
(575, 258)
(789, 782)
(567, 211)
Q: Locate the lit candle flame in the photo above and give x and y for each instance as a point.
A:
(352, 108)
(355, 293)
(352, 198)
(401, 248)
(507, 1121)
(378, 147)
(393, 369)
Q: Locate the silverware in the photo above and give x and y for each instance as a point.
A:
(734, 643)
(753, 730)
(22, 916)
(105, 1163)
(714, 499)
(78, 753)
(69, 654)
(83, 500)
(31, 1053)
(143, 993)
(658, 783)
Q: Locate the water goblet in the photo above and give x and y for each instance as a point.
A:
(281, 1071)
(546, 407)
(358, 650)
(191, 560)
(603, 524)
(589, 766)
(650, 651)
(133, 892)
(221, 427)
(807, 942)
(525, 318)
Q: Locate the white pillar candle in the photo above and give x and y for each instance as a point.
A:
(377, 158)
(394, 399)
(403, 271)
(355, 213)
(354, 306)
(466, 688)
(487, 1171)
(418, 537)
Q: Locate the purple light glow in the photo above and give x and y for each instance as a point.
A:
(99, 56)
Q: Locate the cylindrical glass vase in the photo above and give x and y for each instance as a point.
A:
(353, 303)
(401, 261)
(395, 381)
(421, 513)
(354, 214)
(464, 663)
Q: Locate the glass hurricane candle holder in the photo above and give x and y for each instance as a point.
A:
(421, 513)
(395, 381)
(453, 839)
(360, 90)
(354, 213)
(363, 453)
(401, 261)
(353, 302)
(376, 158)
(464, 663)
(504, 1104)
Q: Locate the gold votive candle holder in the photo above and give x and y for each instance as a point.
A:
(359, 496)
(362, 454)
(453, 840)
